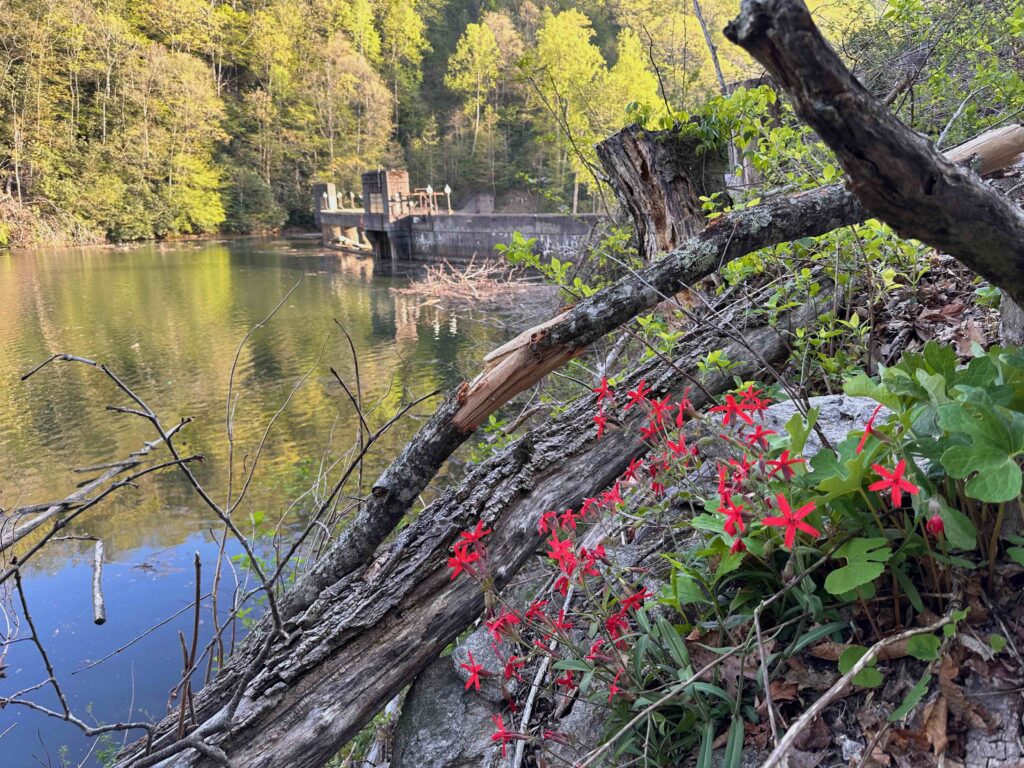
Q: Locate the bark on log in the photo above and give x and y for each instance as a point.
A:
(658, 177)
(896, 173)
(370, 635)
(358, 634)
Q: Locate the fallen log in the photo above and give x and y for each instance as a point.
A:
(368, 636)
(358, 634)
(895, 172)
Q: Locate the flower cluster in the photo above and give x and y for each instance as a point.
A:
(761, 496)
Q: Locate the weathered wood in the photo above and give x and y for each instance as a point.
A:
(369, 635)
(658, 177)
(896, 173)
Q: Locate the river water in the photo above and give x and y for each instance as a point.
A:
(167, 318)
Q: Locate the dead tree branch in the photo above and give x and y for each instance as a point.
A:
(896, 173)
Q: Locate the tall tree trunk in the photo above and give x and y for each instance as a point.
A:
(712, 50)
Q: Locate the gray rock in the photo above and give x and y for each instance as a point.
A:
(583, 727)
(492, 680)
(838, 415)
(443, 725)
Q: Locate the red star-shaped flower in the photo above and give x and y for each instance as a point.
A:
(792, 520)
(895, 481)
(731, 408)
(638, 395)
(474, 670)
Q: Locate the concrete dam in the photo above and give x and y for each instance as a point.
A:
(398, 223)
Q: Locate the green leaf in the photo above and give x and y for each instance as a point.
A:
(959, 530)
(997, 643)
(911, 700)
(923, 647)
(866, 559)
(860, 385)
(869, 677)
(799, 430)
(1016, 554)
(676, 647)
(734, 745)
(707, 741)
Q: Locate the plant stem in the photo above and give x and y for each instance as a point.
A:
(993, 544)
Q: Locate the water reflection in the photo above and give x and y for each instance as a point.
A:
(168, 319)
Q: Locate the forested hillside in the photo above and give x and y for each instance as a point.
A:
(130, 119)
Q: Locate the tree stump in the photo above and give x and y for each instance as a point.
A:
(659, 177)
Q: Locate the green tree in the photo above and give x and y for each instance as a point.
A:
(473, 71)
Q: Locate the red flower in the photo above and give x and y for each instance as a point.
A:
(604, 390)
(893, 480)
(731, 409)
(569, 519)
(638, 395)
(590, 562)
(659, 408)
(649, 432)
(752, 398)
(658, 489)
(634, 465)
(501, 735)
(595, 647)
(617, 624)
(935, 526)
(742, 469)
(566, 680)
(471, 537)
(587, 504)
(601, 420)
(759, 436)
(614, 689)
(512, 667)
(536, 610)
(561, 623)
(737, 546)
(783, 464)
(733, 516)
(548, 522)
(611, 496)
(724, 487)
(561, 585)
(684, 406)
(502, 623)
(868, 429)
(791, 520)
(462, 560)
(560, 549)
(678, 449)
(636, 600)
(474, 670)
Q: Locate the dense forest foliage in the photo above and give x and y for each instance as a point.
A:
(130, 119)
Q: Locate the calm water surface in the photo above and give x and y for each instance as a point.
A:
(168, 319)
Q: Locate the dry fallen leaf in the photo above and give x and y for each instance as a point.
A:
(936, 717)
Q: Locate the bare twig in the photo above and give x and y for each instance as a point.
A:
(783, 747)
